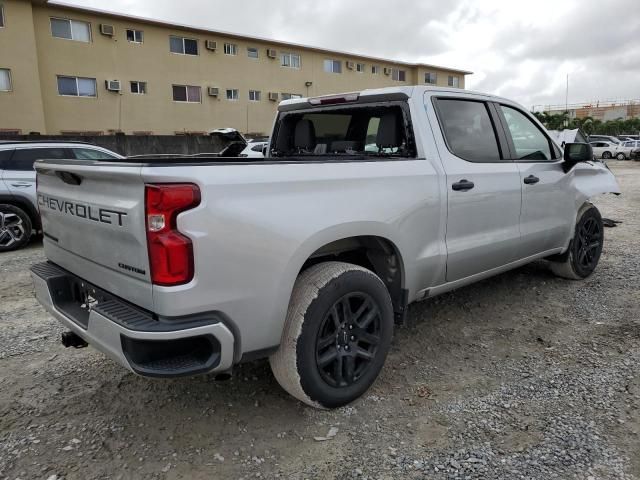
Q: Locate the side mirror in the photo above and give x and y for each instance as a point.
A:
(575, 153)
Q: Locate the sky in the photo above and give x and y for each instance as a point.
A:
(522, 50)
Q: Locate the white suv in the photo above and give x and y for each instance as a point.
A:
(19, 217)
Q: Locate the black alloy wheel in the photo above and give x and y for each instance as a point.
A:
(348, 339)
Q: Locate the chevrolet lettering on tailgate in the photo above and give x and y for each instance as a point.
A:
(81, 210)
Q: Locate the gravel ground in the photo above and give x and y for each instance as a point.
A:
(520, 376)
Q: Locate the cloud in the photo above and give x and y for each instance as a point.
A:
(521, 50)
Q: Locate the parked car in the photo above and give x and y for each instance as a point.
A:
(609, 150)
(175, 268)
(604, 138)
(19, 217)
(255, 148)
(634, 145)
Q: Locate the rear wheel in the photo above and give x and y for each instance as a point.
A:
(586, 247)
(621, 156)
(606, 155)
(15, 228)
(336, 337)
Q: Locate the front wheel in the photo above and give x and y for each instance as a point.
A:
(586, 247)
(336, 337)
(15, 228)
(621, 156)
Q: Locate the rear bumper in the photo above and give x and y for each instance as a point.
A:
(135, 338)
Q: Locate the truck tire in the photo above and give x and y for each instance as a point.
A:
(336, 337)
(15, 228)
(585, 248)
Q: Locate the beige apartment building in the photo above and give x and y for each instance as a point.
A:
(71, 70)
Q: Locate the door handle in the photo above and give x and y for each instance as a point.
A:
(531, 180)
(20, 184)
(462, 186)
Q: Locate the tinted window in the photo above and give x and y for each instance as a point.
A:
(5, 155)
(468, 130)
(23, 158)
(90, 154)
(530, 143)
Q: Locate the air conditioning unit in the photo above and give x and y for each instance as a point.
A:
(271, 53)
(112, 85)
(273, 96)
(213, 91)
(107, 30)
(387, 71)
(351, 65)
(211, 45)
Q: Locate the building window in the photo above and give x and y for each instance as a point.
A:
(360, 67)
(1, 15)
(230, 49)
(232, 94)
(430, 77)
(252, 52)
(375, 69)
(135, 36)
(333, 66)
(5, 80)
(77, 86)
(398, 75)
(187, 93)
(183, 46)
(254, 95)
(453, 81)
(71, 29)
(290, 60)
(139, 88)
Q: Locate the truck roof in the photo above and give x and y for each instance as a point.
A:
(391, 92)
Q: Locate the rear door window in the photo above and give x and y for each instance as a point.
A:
(24, 158)
(468, 130)
(529, 141)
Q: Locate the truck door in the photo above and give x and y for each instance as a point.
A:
(548, 203)
(483, 186)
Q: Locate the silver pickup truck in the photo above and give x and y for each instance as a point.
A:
(365, 203)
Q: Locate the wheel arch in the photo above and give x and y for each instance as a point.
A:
(370, 248)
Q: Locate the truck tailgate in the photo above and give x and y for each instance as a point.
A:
(93, 218)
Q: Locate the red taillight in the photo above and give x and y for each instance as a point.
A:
(170, 252)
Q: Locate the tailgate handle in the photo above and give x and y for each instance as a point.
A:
(69, 178)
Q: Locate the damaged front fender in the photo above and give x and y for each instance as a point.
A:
(590, 179)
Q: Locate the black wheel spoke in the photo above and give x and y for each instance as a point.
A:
(338, 374)
(324, 342)
(350, 368)
(368, 338)
(368, 318)
(345, 306)
(365, 354)
(365, 305)
(327, 357)
(336, 317)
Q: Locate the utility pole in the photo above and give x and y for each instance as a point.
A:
(566, 104)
